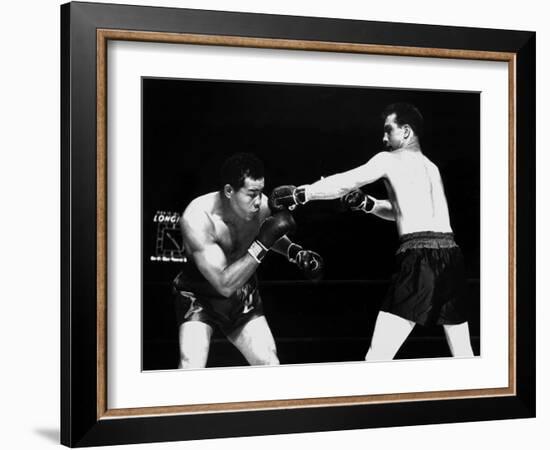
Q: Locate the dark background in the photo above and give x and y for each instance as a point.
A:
(302, 132)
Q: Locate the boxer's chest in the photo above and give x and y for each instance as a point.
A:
(235, 240)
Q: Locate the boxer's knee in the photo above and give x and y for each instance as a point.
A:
(390, 331)
(261, 351)
(458, 338)
(194, 343)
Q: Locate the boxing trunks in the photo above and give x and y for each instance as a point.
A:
(197, 300)
(429, 284)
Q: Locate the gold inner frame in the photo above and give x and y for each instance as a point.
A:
(104, 35)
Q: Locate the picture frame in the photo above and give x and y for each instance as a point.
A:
(86, 418)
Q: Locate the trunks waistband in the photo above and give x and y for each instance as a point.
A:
(426, 239)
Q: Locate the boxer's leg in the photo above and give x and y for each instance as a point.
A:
(194, 340)
(390, 331)
(458, 338)
(255, 341)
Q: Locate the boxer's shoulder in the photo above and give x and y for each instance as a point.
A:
(201, 211)
(382, 161)
(208, 203)
(431, 165)
(383, 157)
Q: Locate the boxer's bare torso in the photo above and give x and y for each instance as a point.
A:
(207, 222)
(416, 192)
(217, 233)
(416, 197)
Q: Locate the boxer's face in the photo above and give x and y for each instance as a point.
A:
(246, 201)
(394, 134)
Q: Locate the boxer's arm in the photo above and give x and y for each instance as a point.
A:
(309, 261)
(357, 200)
(210, 258)
(281, 246)
(336, 186)
(383, 209)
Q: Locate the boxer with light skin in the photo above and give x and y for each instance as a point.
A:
(226, 235)
(428, 285)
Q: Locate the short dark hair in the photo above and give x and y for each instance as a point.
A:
(408, 114)
(239, 166)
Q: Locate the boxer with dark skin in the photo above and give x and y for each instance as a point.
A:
(429, 283)
(226, 234)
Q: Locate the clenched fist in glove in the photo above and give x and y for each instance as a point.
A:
(273, 228)
(287, 197)
(358, 201)
(309, 261)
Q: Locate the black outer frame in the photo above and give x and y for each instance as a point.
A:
(79, 423)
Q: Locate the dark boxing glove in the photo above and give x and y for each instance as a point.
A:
(309, 261)
(273, 228)
(287, 197)
(358, 201)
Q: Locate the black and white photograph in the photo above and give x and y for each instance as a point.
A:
(276, 224)
(302, 224)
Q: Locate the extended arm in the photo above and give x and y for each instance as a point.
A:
(340, 184)
(334, 186)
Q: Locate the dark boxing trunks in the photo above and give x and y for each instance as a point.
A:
(429, 284)
(197, 300)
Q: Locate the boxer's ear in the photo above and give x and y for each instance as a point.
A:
(228, 191)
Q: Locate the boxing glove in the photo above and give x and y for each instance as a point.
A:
(287, 197)
(309, 261)
(358, 201)
(273, 228)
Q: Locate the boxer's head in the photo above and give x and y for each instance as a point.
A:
(242, 183)
(403, 123)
